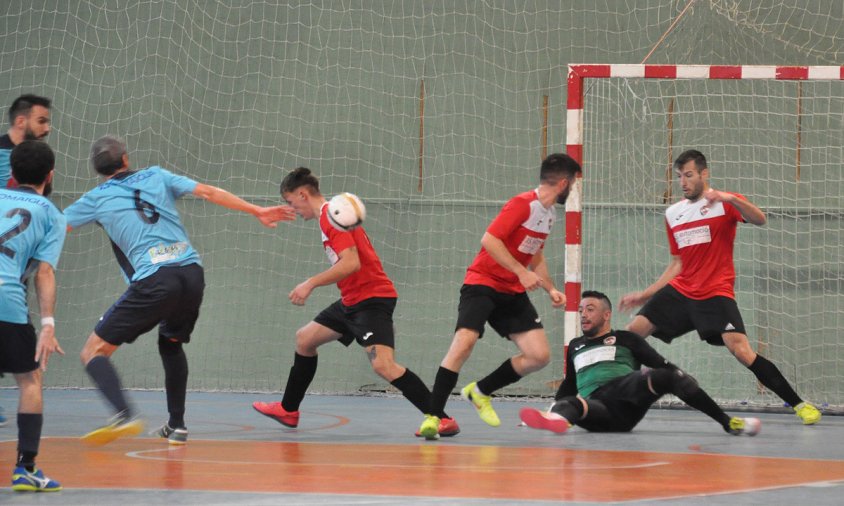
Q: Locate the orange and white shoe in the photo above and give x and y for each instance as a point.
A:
(276, 412)
(545, 420)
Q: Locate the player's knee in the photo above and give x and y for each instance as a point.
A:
(168, 347)
(542, 358)
(384, 367)
(672, 380)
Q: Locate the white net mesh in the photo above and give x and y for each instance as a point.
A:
(236, 93)
(789, 274)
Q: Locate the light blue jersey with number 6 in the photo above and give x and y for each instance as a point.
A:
(138, 211)
(32, 230)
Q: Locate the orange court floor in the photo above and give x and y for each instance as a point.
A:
(361, 450)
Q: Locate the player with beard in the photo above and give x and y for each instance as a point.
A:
(510, 263)
(696, 290)
(34, 232)
(29, 117)
(606, 391)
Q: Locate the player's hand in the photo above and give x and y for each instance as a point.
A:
(300, 294)
(47, 344)
(632, 300)
(558, 298)
(269, 216)
(530, 280)
(712, 196)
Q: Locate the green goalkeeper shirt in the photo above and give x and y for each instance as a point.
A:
(593, 362)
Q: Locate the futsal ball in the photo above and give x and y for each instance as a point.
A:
(346, 211)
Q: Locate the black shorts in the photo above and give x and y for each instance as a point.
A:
(368, 322)
(673, 314)
(506, 313)
(169, 298)
(619, 405)
(17, 348)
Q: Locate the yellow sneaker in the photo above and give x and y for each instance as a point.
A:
(430, 428)
(482, 403)
(108, 433)
(808, 413)
(746, 426)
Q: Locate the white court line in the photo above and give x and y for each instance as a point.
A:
(140, 454)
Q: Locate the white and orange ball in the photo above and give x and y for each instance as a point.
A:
(346, 211)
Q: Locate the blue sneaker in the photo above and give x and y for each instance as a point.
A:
(24, 481)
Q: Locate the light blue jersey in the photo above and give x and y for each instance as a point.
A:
(6, 146)
(32, 230)
(138, 211)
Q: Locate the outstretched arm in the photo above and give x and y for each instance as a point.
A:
(268, 216)
(635, 299)
(748, 210)
(348, 263)
(45, 287)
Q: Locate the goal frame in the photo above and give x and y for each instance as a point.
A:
(577, 75)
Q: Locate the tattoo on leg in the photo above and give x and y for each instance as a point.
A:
(371, 354)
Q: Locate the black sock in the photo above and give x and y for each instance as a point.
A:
(301, 374)
(499, 378)
(105, 377)
(569, 408)
(702, 402)
(414, 390)
(768, 374)
(443, 386)
(175, 364)
(29, 437)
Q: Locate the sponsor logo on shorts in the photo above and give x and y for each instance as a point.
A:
(367, 336)
(729, 327)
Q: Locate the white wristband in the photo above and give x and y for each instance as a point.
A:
(48, 320)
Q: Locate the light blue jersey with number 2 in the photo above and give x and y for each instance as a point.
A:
(138, 212)
(32, 230)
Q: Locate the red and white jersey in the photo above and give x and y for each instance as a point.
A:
(371, 280)
(703, 236)
(523, 224)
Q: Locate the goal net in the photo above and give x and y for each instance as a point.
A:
(771, 133)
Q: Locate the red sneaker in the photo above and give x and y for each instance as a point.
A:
(448, 427)
(277, 413)
(536, 419)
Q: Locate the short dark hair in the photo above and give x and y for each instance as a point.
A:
(594, 294)
(32, 161)
(301, 176)
(107, 154)
(557, 166)
(689, 155)
(23, 104)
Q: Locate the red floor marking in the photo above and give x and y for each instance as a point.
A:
(423, 470)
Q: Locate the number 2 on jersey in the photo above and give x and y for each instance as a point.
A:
(26, 217)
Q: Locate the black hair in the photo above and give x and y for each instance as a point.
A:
(23, 105)
(594, 294)
(689, 155)
(301, 176)
(32, 161)
(557, 166)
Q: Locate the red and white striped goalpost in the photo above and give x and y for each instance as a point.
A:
(574, 140)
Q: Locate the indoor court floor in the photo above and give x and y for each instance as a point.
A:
(361, 450)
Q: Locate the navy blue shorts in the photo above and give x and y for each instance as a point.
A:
(169, 298)
(506, 313)
(673, 314)
(368, 322)
(17, 348)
